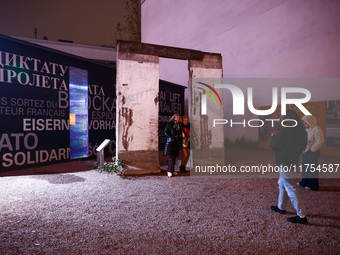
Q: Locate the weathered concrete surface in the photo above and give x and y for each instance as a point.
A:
(137, 110)
(159, 50)
(210, 139)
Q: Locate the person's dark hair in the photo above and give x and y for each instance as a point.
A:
(292, 114)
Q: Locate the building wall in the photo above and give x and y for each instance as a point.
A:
(282, 38)
(257, 39)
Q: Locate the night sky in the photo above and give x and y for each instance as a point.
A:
(90, 22)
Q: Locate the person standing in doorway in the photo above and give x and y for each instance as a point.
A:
(173, 133)
(311, 154)
(185, 126)
(288, 145)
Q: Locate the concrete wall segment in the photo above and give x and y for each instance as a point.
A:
(137, 92)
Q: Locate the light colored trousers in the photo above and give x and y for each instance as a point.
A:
(287, 189)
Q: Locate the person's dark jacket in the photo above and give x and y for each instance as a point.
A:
(173, 133)
(288, 145)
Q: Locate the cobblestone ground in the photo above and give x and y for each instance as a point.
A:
(71, 209)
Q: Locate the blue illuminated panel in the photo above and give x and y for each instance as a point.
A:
(78, 113)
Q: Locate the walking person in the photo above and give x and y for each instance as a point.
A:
(173, 133)
(288, 144)
(311, 155)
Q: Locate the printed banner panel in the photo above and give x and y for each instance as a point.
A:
(35, 101)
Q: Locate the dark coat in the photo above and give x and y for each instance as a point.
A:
(288, 145)
(173, 133)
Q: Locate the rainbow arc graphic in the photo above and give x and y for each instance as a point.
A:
(209, 93)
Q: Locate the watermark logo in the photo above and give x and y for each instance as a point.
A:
(204, 96)
(239, 99)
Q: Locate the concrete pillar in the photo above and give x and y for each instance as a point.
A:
(210, 139)
(137, 92)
